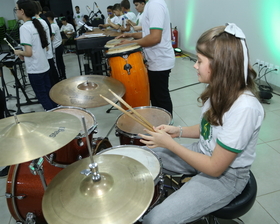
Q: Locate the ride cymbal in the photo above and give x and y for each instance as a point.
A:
(121, 196)
(30, 136)
(83, 91)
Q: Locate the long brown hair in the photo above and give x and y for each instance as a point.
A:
(227, 81)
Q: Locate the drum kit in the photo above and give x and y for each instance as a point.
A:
(56, 174)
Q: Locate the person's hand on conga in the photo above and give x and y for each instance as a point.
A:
(159, 138)
(123, 35)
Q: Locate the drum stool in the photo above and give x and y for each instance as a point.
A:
(237, 207)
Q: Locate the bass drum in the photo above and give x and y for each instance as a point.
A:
(24, 191)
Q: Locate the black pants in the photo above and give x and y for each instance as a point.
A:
(2, 104)
(53, 72)
(59, 61)
(159, 92)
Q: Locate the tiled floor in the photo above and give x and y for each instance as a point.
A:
(186, 112)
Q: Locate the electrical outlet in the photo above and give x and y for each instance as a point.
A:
(258, 61)
(277, 67)
(270, 66)
(261, 63)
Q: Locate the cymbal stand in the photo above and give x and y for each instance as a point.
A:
(23, 76)
(111, 108)
(93, 167)
(36, 167)
(12, 67)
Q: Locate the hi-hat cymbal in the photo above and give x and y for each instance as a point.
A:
(34, 135)
(121, 196)
(83, 91)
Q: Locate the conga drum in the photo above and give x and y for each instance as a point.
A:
(127, 66)
(128, 129)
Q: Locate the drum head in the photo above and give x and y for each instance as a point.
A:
(156, 116)
(145, 156)
(123, 49)
(112, 43)
(79, 113)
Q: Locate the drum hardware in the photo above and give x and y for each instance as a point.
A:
(36, 168)
(19, 197)
(100, 144)
(83, 91)
(11, 64)
(127, 66)
(30, 218)
(26, 137)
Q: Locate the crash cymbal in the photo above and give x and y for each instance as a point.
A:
(83, 91)
(30, 136)
(122, 195)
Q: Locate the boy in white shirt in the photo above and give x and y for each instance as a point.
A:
(57, 46)
(78, 17)
(111, 18)
(128, 16)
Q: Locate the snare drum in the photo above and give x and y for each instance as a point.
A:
(148, 158)
(127, 66)
(77, 148)
(127, 129)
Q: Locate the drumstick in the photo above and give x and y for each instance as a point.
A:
(5, 39)
(127, 113)
(132, 110)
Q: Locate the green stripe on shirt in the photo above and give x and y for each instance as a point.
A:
(228, 148)
(155, 28)
(26, 44)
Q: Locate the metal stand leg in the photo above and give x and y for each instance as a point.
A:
(111, 108)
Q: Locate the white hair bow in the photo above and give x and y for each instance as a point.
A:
(231, 28)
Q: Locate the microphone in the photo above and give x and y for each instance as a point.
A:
(89, 8)
(96, 5)
(99, 11)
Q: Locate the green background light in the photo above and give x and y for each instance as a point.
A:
(270, 18)
(190, 10)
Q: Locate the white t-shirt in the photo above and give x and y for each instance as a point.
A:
(68, 27)
(38, 62)
(160, 57)
(78, 17)
(138, 19)
(57, 39)
(47, 30)
(114, 20)
(240, 130)
(129, 16)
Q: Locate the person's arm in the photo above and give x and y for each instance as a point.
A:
(114, 26)
(151, 39)
(213, 165)
(184, 132)
(26, 53)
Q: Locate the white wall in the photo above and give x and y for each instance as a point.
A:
(102, 5)
(6, 9)
(259, 20)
